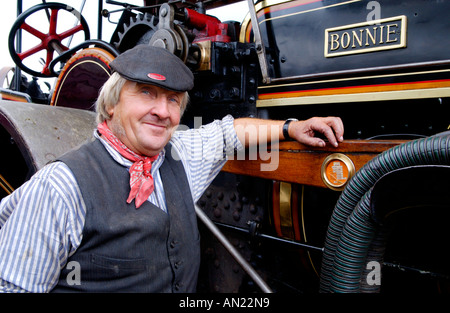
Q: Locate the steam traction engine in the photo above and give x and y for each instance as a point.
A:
(368, 216)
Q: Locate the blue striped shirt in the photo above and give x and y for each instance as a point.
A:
(41, 223)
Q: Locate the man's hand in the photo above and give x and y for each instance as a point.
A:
(251, 130)
(304, 131)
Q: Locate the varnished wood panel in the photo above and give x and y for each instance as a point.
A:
(301, 164)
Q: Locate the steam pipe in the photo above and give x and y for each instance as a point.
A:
(353, 204)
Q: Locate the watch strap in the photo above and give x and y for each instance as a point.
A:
(286, 128)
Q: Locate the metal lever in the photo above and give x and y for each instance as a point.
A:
(260, 49)
(232, 250)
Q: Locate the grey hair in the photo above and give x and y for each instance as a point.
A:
(109, 96)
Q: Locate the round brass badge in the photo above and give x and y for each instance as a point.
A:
(336, 170)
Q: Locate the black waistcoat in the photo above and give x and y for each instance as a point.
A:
(125, 249)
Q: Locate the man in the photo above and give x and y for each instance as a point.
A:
(117, 214)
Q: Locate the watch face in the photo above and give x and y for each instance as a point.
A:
(336, 171)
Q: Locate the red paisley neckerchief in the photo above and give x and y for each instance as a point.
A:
(141, 180)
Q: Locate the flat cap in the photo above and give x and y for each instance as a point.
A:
(155, 66)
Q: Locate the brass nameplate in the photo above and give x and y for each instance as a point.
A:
(383, 34)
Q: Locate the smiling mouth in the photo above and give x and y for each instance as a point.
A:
(158, 126)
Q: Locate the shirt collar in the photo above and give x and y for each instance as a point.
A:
(125, 162)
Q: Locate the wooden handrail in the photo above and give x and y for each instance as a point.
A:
(297, 163)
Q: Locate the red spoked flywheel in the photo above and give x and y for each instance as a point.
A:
(44, 44)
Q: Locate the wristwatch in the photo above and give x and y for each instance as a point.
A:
(286, 128)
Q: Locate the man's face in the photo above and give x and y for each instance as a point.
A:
(145, 117)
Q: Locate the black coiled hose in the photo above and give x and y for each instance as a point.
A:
(352, 233)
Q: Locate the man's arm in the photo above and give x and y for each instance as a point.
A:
(44, 219)
(251, 131)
